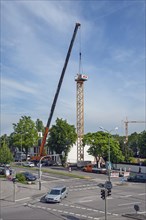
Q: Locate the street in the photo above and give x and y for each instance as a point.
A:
(83, 201)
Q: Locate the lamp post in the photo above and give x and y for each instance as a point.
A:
(109, 159)
(40, 165)
(21, 149)
(40, 172)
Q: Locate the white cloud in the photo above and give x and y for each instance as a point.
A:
(20, 87)
(35, 39)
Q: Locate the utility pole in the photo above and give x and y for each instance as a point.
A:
(105, 192)
(14, 189)
(105, 204)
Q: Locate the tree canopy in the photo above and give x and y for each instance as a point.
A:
(62, 136)
(5, 154)
(100, 144)
(142, 144)
(25, 134)
(39, 125)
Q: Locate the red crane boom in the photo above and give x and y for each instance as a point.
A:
(41, 150)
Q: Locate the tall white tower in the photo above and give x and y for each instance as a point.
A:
(80, 78)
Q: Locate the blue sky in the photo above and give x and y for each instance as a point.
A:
(35, 36)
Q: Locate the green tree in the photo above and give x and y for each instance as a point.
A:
(5, 154)
(126, 150)
(40, 128)
(142, 144)
(4, 139)
(39, 125)
(100, 143)
(62, 136)
(95, 141)
(133, 143)
(25, 134)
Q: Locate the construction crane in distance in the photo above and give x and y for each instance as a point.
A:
(80, 79)
(126, 127)
(41, 149)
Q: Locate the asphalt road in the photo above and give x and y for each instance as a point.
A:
(83, 202)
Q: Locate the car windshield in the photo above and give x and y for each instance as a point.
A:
(55, 192)
(28, 174)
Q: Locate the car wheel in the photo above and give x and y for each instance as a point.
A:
(66, 196)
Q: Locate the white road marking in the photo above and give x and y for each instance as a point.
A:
(66, 212)
(130, 203)
(142, 194)
(22, 199)
(79, 189)
(125, 196)
(51, 177)
(87, 201)
(84, 185)
(88, 209)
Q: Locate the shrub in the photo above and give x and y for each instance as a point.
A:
(20, 177)
(132, 160)
(144, 163)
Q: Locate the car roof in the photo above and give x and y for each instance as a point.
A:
(27, 172)
(59, 187)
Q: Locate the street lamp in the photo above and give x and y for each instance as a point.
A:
(109, 160)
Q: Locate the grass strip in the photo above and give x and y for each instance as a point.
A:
(63, 173)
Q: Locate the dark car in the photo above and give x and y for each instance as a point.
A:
(141, 178)
(29, 176)
(2, 171)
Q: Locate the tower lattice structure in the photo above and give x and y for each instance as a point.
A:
(80, 115)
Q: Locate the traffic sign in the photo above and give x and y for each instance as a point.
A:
(101, 185)
(108, 185)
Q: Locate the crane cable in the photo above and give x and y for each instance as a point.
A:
(80, 54)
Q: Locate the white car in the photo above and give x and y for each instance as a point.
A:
(56, 194)
(28, 164)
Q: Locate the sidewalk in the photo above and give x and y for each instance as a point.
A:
(18, 192)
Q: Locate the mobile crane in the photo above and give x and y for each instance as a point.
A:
(41, 149)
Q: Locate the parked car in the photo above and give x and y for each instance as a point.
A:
(2, 171)
(46, 163)
(56, 194)
(141, 178)
(29, 176)
(29, 164)
(5, 170)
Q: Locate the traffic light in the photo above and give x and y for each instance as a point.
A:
(109, 192)
(102, 193)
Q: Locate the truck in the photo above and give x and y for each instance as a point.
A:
(92, 168)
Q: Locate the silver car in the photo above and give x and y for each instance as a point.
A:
(56, 194)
